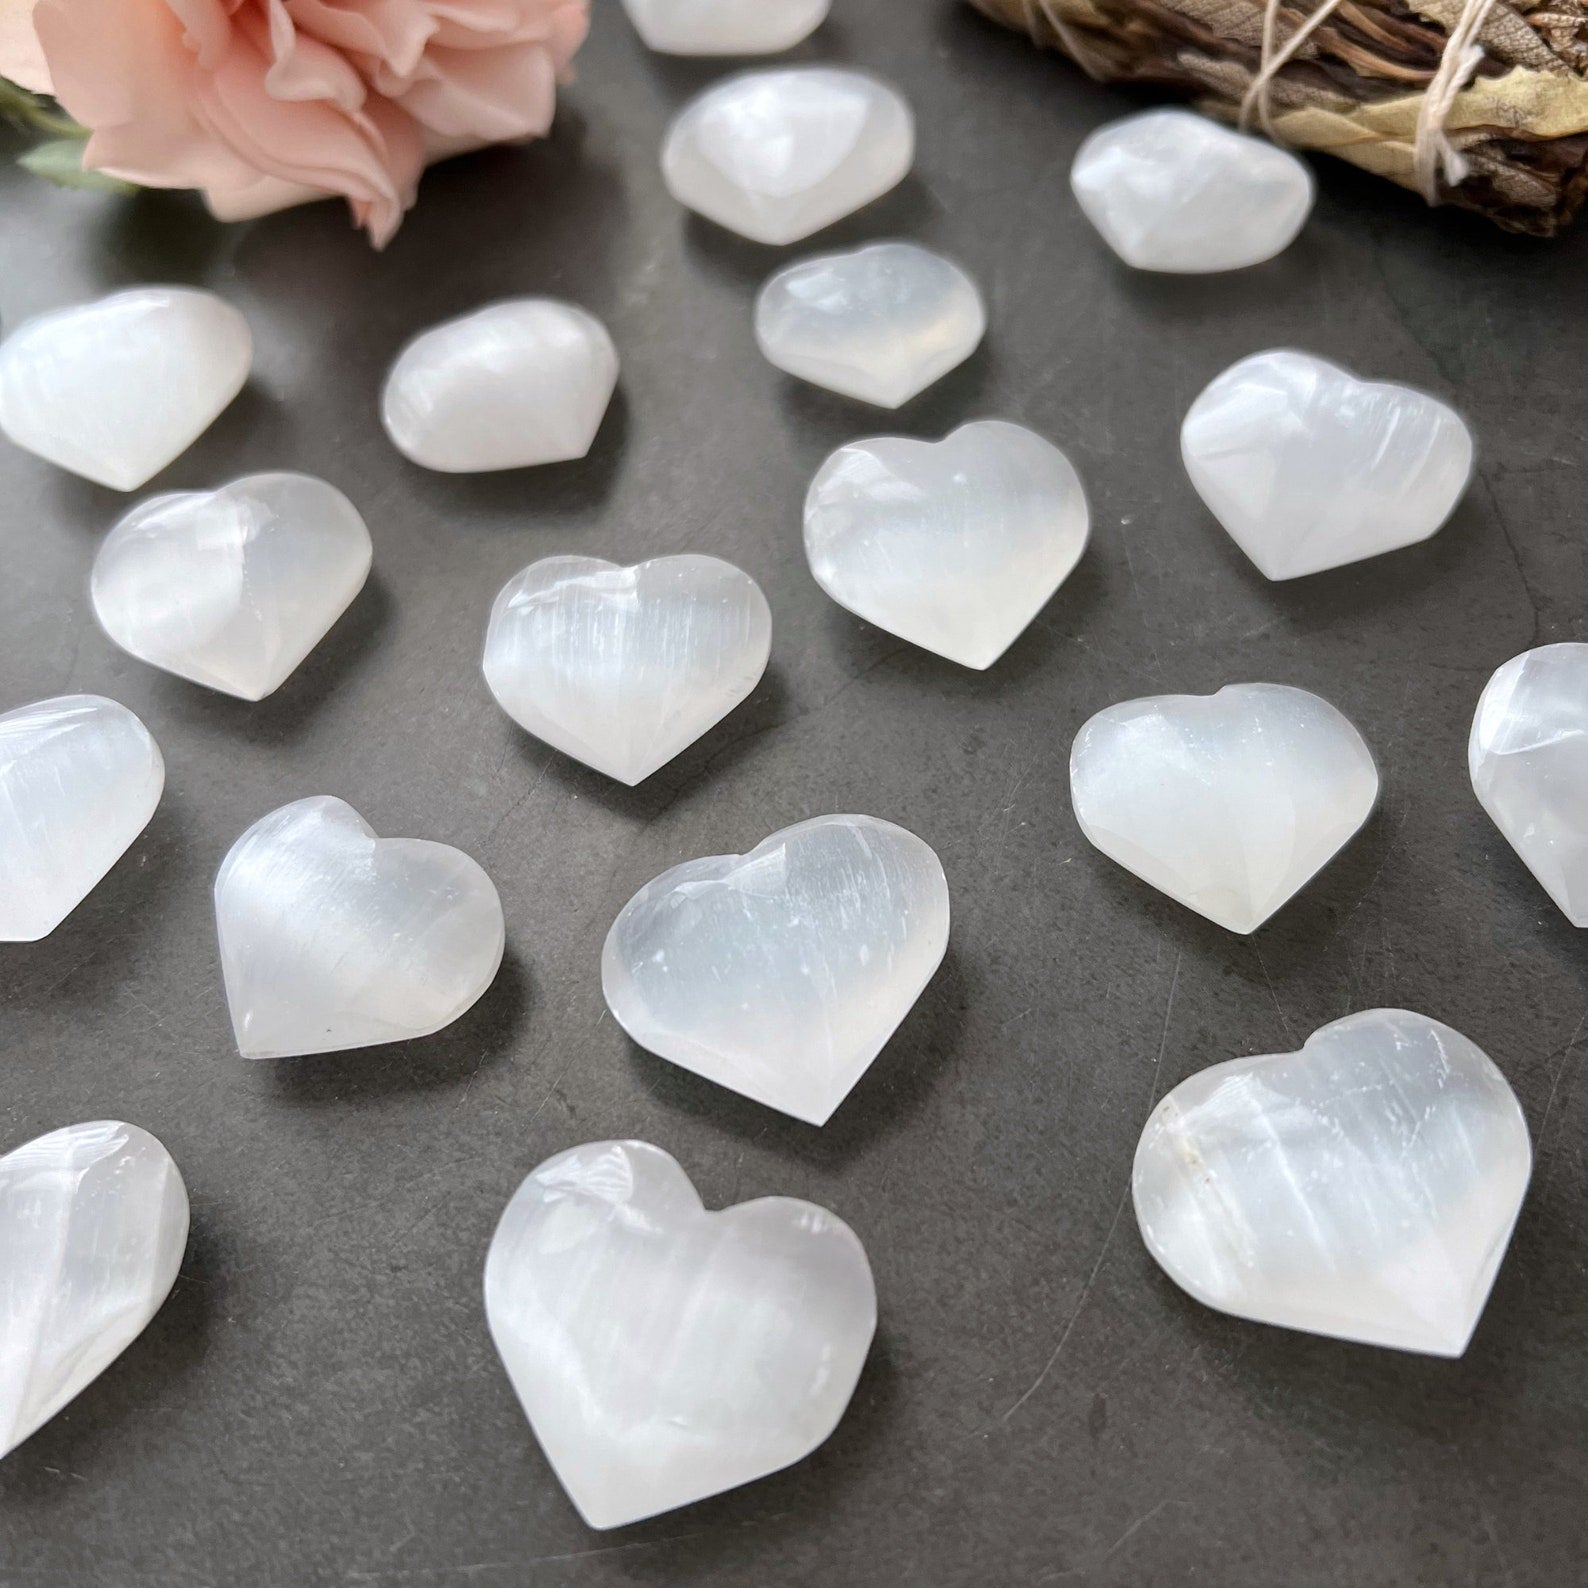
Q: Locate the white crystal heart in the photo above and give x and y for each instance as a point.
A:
(782, 973)
(79, 779)
(510, 385)
(725, 27)
(1173, 191)
(880, 324)
(1229, 802)
(954, 545)
(623, 668)
(116, 389)
(1363, 1188)
(1309, 468)
(93, 1224)
(232, 588)
(663, 1353)
(332, 938)
(776, 155)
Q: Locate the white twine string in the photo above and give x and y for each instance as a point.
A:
(1271, 62)
(1078, 52)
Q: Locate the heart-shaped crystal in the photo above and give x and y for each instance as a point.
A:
(725, 27)
(776, 155)
(663, 1353)
(1229, 802)
(1363, 1188)
(232, 588)
(333, 938)
(79, 779)
(1308, 467)
(783, 972)
(116, 389)
(954, 545)
(622, 668)
(513, 384)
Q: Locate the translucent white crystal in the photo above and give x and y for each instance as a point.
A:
(1363, 1188)
(1173, 191)
(1228, 802)
(1308, 467)
(779, 154)
(622, 668)
(663, 1353)
(954, 545)
(513, 384)
(725, 27)
(333, 938)
(783, 972)
(116, 389)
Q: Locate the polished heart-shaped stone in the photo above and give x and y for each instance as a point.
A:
(232, 588)
(1363, 1188)
(1229, 802)
(954, 545)
(776, 155)
(663, 1353)
(116, 389)
(725, 27)
(93, 1224)
(332, 938)
(79, 779)
(1309, 468)
(622, 668)
(510, 385)
(783, 972)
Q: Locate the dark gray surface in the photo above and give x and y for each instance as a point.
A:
(318, 1403)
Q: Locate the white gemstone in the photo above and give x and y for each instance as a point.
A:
(1308, 467)
(79, 779)
(93, 1224)
(1230, 802)
(880, 324)
(1363, 1188)
(663, 1353)
(954, 545)
(232, 588)
(782, 973)
(513, 384)
(116, 389)
(1173, 191)
(622, 668)
(333, 938)
(776, 155)
(725, 27)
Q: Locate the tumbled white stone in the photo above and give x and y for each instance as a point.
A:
(116, 389)
(778, 154)
(1172, 191)
(516, 383)
(1229, 802)
(1309, 468)
(954, 545)
(79, 779)
(622, 668)
(1363, 1188)
(332, 938)
(783, 972)
(725, 27)
(663, 1353)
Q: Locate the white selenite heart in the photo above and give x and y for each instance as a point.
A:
(93, 1224)
(880, 324)
(79, 779)
(778, 154)
(513, 384)
(725, 27)
(232, 588)
(1228, 802)
(782, 973)
(1309, 468)
(954, 545)
(332, 938)
(1363, 1188)
(623, 668)
(116, 389)
(663, 1353)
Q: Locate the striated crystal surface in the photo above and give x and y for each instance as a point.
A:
(725, 27)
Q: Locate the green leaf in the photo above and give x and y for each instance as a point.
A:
(33, 110)
(61, 161)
